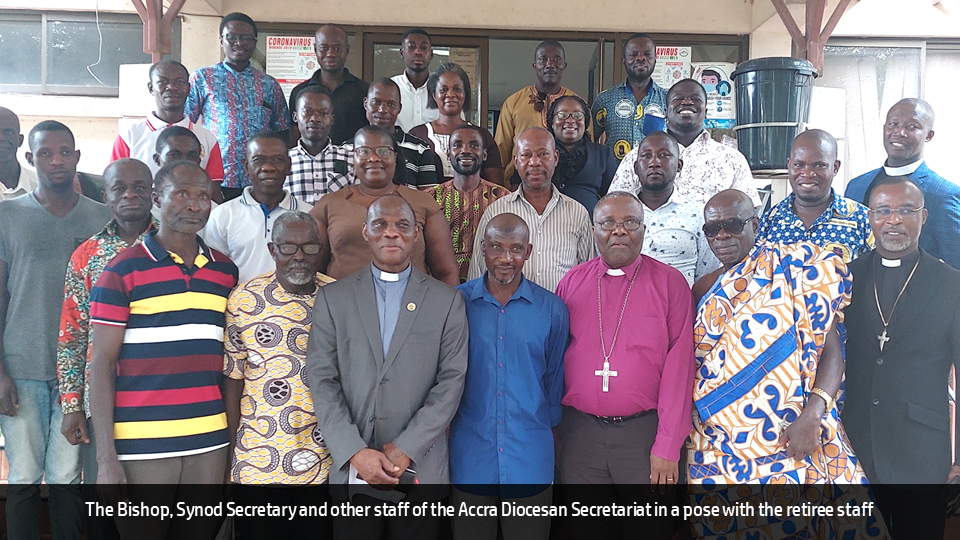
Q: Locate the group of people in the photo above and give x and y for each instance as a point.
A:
(360, 295)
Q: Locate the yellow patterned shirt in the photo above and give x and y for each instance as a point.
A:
(278, 440)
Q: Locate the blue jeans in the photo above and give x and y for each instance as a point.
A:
(38, 451)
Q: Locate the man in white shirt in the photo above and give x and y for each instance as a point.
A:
(169, 85)
(674, 233)
(242, 228)
(709, 167)
(15, 179)
(416, 49)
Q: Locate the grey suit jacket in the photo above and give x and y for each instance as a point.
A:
(363, 399)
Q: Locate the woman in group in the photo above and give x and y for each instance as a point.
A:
(448, 89)
(586, 168)
(342, 214)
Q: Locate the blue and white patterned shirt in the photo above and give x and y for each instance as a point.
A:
(843, 227)
(235, 106)
(617, 113)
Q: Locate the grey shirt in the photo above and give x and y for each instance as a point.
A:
(36, 245)
(389, 288)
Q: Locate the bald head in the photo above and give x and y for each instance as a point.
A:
(508, 224)
(820, 138)
(391, 203)
(734, 199)
(127, 190)
(535, 135)
(918, 106)
(536, 157)
(123, 168)
(907, 129)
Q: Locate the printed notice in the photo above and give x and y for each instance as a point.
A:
(290, 60)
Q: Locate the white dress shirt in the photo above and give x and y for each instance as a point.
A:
(26, 184)
(413, 110)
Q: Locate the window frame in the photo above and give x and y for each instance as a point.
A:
(44, 18)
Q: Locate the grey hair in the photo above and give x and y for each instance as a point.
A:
(289, 218)
(614, 194)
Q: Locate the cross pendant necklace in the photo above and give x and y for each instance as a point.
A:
(606, 373)
(883, 338)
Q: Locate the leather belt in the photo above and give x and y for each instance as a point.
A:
(621, 419)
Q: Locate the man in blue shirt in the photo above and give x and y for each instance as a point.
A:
(908, 128)
(511, 399)
(622, 112)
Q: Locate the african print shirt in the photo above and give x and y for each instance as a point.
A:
(463, 211)
(843, 228)
(265, 345)
(234, 106)
(617, 113)
(73, 351)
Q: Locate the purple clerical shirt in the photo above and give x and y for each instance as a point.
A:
(654, 352)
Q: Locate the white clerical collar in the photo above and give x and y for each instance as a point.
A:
(890, 263)
(615, 272)
(389, 276)
(905, 170)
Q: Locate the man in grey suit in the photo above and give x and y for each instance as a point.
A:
(386, 361)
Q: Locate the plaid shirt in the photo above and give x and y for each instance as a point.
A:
(312, 177)
(234, 106)
(73, 351)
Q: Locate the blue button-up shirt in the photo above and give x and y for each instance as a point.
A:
(844, 227)
(511, 399)
(617, 113)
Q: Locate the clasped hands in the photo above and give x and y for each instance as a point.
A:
(381, 469)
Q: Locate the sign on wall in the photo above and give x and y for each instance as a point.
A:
(673, 65)
(715, 78)
(290, 60)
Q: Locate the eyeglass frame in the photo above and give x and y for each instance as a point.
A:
(298, 247)
(903, 212)
(723, 226)
(245, 39)
(604, 224)
(375, 150)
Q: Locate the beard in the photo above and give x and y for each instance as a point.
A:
(459, 169)
(298, 274)
(893, 246)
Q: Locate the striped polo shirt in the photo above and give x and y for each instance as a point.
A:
(168, 400)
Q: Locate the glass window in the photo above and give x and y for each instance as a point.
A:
(74, 47)
(20, 49)
(941, 81)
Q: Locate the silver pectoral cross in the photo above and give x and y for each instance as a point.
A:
(606, 374)
(883, 339)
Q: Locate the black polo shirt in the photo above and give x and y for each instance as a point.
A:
(347, 105)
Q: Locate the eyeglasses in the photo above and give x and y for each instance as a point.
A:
(540, 103)
(628, 225)
(732, 226)
(363, 152)
(246, 39)
(885, 213)
(290, 249)
(576, 115)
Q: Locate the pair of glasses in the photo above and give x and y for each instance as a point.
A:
(576, 115)
(885, 213)
(246, 39)
(628, 225)
(732, 226)
(383, 152)
(541, 101)
(290, 249)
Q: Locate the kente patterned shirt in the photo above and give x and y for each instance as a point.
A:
(235, 106)
(265, 345)
(709, 167)
(760, 333)
(843, 228)
(463, 211)
(168, 400)
(617, 113)
(73, 345)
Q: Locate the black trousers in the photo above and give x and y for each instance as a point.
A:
(602, 464)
